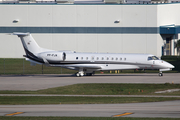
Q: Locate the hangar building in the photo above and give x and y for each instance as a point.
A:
(113, 26)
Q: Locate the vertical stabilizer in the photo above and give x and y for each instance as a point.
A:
(28, 42)
(31, 48)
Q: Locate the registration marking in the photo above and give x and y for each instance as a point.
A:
(16, 113)
(122, 114)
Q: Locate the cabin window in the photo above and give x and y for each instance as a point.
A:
(107, 58)
(112, 58)
(97, 58)
(81, 58)
(92, 58)
(124, 58)
(76, 58)
(102, 58)
(116, 58)
(86, 58)
(120, 59)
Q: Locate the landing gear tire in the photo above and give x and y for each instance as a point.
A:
(160, 74)
(78, 74)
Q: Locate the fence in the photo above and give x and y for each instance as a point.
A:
(21, 66)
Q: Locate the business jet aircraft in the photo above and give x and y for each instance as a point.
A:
(87, 63)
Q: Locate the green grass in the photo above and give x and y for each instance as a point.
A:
(91, 89)
(105, 89)
(32, 100)
(80, 118)
(109, 89)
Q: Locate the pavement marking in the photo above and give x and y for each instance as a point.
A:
(122, 114)
(16, 113)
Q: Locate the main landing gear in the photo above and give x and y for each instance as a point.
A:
(79, 74)
(82, 73)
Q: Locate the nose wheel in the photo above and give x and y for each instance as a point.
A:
(160, 74)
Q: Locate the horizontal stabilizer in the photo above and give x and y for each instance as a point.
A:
(33, 62)
(20, 34)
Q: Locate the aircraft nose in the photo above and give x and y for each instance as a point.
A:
(169, 65)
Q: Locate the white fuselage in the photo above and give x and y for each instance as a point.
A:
(105, 61)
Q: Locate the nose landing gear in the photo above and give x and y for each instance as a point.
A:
(160, 74)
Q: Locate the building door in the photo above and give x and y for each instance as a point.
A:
(168, 46)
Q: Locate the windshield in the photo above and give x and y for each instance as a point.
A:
(153, 58)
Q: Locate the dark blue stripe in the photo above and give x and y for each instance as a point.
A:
(95, 30)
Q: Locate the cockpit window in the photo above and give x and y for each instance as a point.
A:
(153, 58)
(150, 58)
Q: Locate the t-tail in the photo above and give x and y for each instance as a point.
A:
(31, 48)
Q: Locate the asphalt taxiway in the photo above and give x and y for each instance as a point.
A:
(168, 109)
(36, 82)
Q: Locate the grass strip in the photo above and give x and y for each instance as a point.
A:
(110, 89)
(33, 100)
(80, 118)
(105, 89)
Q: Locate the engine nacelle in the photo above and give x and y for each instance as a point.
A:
(53, 56)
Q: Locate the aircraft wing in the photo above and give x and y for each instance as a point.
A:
(75, 66)
(70, 66)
